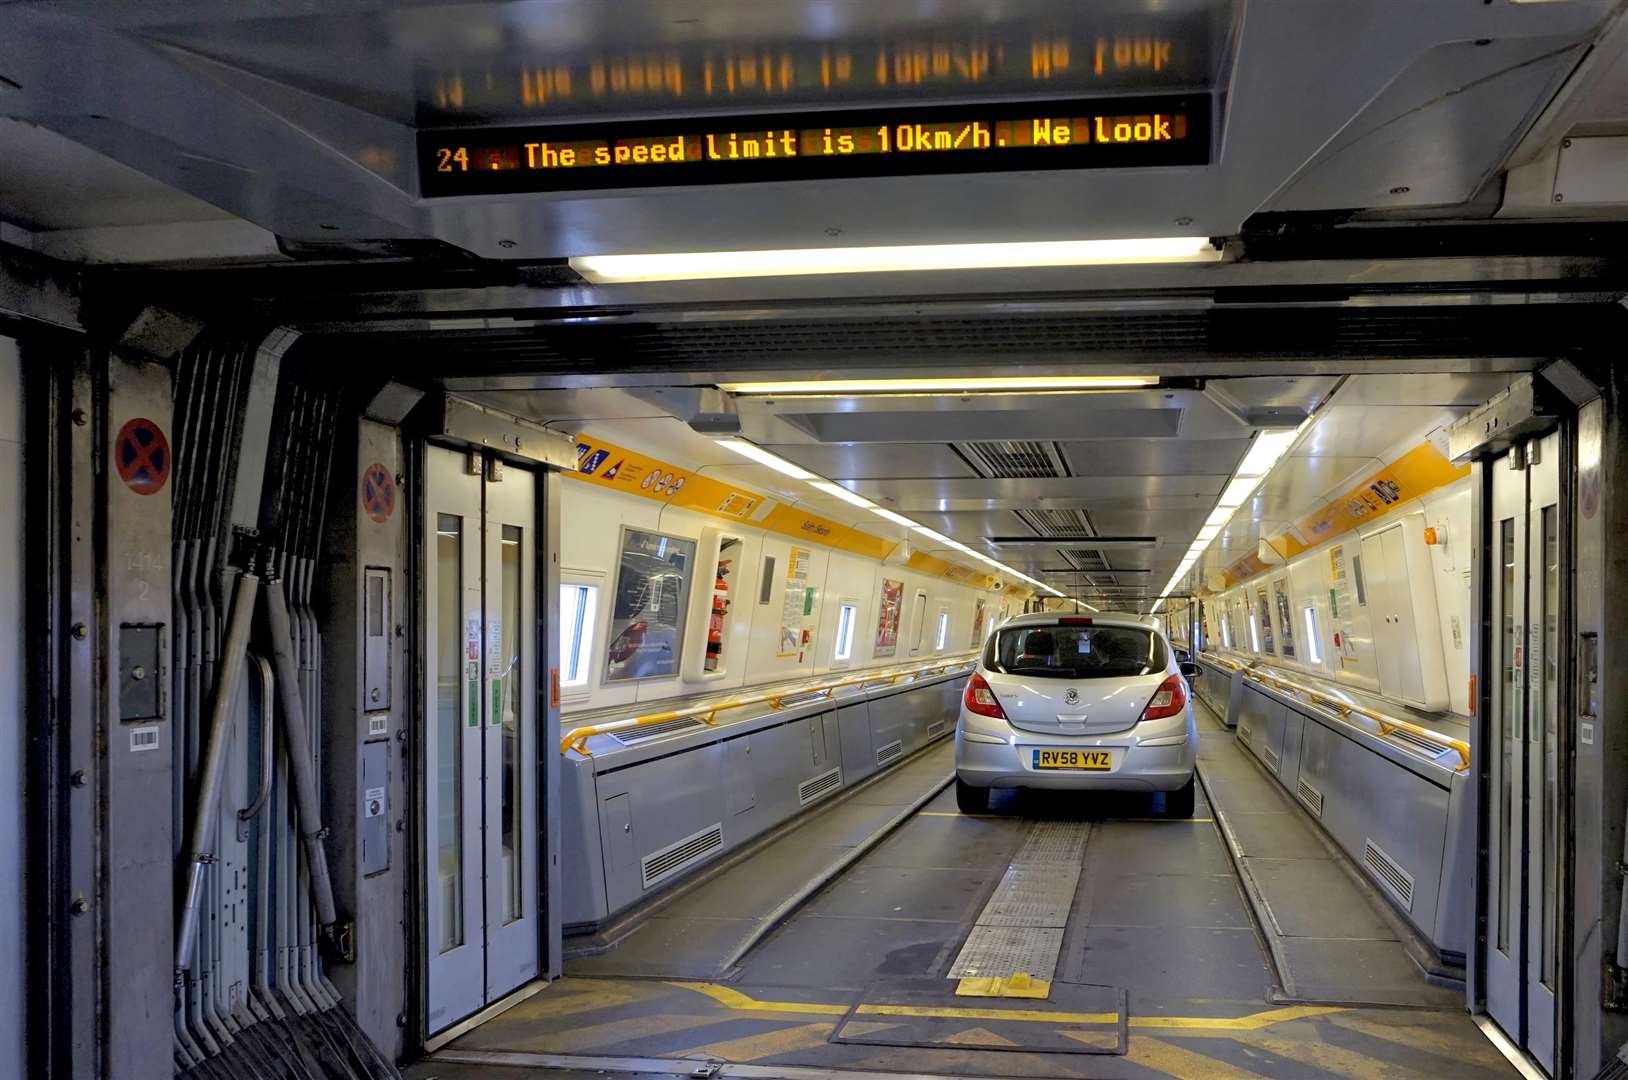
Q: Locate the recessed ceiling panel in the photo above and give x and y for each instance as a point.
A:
(974, 424)
(1136, 457)
(1020, 494)
(869, 461)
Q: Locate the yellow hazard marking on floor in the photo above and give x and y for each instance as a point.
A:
(854, 1028)
(731, 998)
(1460, 1042)
(1327, 1058)
(734, 999)
(977, 1036)
(569, 1001)
(1181, 1063)
(1251, 1022)
(610, 1033)
(1097, 1040)
(1020, 985)
(786, 1040)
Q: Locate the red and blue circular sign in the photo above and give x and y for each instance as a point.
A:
(141, 454)
(379, 492)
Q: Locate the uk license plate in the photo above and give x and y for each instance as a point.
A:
(1074, 759)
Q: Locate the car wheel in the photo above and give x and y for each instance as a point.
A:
(1179, 803)
(969, 799)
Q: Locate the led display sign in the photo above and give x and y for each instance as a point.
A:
(1113, 133)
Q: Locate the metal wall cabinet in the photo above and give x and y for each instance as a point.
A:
(638, 818)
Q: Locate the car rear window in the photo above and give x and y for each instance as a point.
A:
(1076, 652)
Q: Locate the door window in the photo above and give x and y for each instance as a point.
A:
(1265, 644)
(1280, 596)
(449, 694)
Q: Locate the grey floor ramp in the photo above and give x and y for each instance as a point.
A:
(695, 936)
(1328, 937)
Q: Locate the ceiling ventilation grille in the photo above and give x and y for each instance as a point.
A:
(1014, 460)
(1062, 523)
(1085, 558)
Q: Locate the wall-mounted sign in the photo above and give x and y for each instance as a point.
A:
(795, 604)
(906, 140)
(887, 619)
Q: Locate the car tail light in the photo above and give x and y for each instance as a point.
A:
(980, 699)
(1168, 700)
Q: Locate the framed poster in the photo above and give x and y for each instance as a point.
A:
(887, 618)
(977, 625)
(651, 600)
(795, 603)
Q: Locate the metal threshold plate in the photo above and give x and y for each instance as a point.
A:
(1032, 895)
(1008, 950)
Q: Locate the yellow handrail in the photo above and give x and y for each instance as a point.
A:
(577, 738)
(1346, 710)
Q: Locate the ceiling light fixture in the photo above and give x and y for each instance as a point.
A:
(698, 265)
(763, 457)
(967, 385)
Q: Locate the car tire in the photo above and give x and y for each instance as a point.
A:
(969, 799)
(1179, 803)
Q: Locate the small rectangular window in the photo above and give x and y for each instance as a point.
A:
(1314, 650)
(1356, 579)
(1254, 634)
(1226, 633)
(578, 605)
(845, 632)
(765, 585)
(943, 631)
(919, 618)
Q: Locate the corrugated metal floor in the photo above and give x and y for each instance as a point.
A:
(1158, 915)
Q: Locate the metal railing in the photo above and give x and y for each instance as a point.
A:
(577, 738)
(1345, 710)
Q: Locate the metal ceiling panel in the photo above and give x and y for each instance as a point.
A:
(1190, 456)
(872, 461)
(1020, 494)
(989, 425)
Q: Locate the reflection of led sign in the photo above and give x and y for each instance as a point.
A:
(1101, 133)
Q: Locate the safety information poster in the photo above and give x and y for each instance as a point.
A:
(887, 620)
(793, 602)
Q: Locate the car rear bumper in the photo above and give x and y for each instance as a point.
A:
(991, 754)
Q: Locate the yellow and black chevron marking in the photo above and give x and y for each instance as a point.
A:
(1234, 1041)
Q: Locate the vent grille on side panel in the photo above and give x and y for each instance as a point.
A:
(1417, 745)
(1390, 873)
(1013, 460)
(892, 750)
(1244, 731)
(935, 728)
(1311, 797)
(686, 852)
(658, 731)
(1271, 757)
(816, 786)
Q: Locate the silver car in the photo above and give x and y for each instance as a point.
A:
(1066, 701)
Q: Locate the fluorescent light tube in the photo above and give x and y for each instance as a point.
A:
(695, 265)
(763, 457)
(842, 493)
(1219, 517)
(1264, 453)
(1238, 491)
(931, 535)
(897, 519)
(969, 384)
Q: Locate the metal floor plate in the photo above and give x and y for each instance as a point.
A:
(1006, 950)
(1034, 895)
(1054, 842)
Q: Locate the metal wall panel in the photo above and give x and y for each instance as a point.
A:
(858, 752)
(136, 901)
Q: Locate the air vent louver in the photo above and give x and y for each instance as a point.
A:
(1311, 797)
(650, 733)
(891, 751)
(1244, 731)
(1085, 558)
(1415, 743)
(1069, 524)
(1014, 460)
(1389, 874)
(935, 728)
(816, 786)
(1271, 757)
(687, 852)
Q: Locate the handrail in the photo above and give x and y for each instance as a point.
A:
(1387, 724)
(577, 738)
